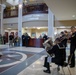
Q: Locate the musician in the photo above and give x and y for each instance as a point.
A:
(63, 38)
(48, 43)
(72, 46)
(45, 37)
(58, 51)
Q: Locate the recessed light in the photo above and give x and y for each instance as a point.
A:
(8, 28)
(25, 1)
(20, 5)
(38, 28)
(26, 27)
(73, 16)
(34, 27)
(32, 0)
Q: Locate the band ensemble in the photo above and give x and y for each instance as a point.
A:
(57, 50)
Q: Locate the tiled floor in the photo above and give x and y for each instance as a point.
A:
(27, 61)
(37, 69)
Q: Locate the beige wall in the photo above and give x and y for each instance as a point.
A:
(65, 23)
(39, 31)
(62, 29)
(36, 31)
(68, 22)
(30, 31)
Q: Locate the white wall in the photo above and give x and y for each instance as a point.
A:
(27, 24)
(35, 24)
(9, 31)
(33, 20)
(62, 29)
(32, 17)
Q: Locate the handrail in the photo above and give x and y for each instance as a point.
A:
(29, 9)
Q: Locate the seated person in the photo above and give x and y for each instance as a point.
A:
(58, 50)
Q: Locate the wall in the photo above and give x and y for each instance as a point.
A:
(35, 24)
(32, 17)
(34, 20)
(9, 31)
(68, 22)
(38, 32)
(62, 29)
(64, 23)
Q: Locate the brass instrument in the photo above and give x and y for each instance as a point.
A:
(48, 44)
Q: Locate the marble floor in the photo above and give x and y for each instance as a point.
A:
(27, 61)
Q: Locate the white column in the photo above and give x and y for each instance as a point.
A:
(2, 9)
(20, 20)
(50, 24)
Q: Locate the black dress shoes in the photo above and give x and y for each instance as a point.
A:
(0, 56)
(47, 71)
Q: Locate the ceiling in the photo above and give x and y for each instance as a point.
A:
(63, 9)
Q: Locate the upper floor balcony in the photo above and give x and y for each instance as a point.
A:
(40, 8)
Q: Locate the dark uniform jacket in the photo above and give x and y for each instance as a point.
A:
(45, 37)
(59, 51)
(73, 43)
(73, 39)
(64, 40)
(11, 37)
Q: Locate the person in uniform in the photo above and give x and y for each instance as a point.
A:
(45, 37)
(64, 41)
(23, 40)
(72, 46)
(11, 38)
(1, 39)
(58, 51)
(4, 39)
(27, 38)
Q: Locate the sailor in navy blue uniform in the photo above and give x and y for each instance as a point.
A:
(64, 39)
(58, 51)
(72, 46)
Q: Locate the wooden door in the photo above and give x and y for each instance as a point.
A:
(6, 34)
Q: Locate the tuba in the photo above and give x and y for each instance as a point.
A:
(48, 44)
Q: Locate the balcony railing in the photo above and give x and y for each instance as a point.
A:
(29, 9)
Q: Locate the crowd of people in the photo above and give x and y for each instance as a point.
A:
(25, 39)
(2, 39)
(57, 50)
(16, 40)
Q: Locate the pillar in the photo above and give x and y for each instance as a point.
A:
(20, 20)
(50, 24)
(2, 9)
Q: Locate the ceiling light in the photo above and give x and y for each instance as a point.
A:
(8, 28)
(32, 0)
(38, 28)
(62, 27)
(25, 1)
(26, 27)
(34, 27)
(20, 5)
(73, 16)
